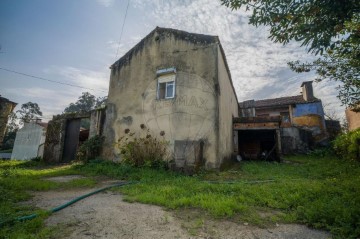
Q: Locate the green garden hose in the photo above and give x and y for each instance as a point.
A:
(55, 209)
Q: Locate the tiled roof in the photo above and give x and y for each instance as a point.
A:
(282, 101)
(288, 100)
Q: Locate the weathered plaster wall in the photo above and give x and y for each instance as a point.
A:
(308, 109)
(310, 116)
(6, 107)
(228, 108)
(353, 119)
(188, 119)
(97, 119)
(273, 111)
(28, 141)
(295, 140)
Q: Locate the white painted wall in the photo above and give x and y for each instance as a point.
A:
(29, 141)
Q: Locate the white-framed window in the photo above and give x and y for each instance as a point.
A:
(166, 85)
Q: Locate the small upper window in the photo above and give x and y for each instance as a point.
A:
(166, 86)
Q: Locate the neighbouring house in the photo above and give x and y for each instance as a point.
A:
(353, 118)
(29, 141)
(178, 86)
(6, 107)
(272, 127)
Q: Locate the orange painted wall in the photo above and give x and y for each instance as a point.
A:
(311, 121)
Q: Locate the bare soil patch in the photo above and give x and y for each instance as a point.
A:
(64, 179)
(106, 215)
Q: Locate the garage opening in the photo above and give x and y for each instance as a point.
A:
(258, 144)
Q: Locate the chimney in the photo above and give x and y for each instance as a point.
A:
(307, 91)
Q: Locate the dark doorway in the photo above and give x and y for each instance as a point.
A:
(258, 144)
(71, 139)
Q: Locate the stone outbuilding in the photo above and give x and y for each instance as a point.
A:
(29, 141)
(282, 125)
(63, 137)
(178, 86)
(6, 107)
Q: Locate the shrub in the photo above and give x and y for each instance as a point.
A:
(90, 149)
(322, 152)
(347, 146)
(143, 151)
(36, 159)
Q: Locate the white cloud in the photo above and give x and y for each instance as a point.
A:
(258, 66)
(105, 3)
(95, 81)
(51, 102)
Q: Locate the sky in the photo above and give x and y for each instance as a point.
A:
(75, 42)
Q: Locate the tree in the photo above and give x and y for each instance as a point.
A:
(29, 111)
(330, 28)
(12, 124)
(85, 103)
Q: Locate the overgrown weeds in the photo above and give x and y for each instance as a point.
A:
(347, 146)
(90, 149)
(143, 150)
(321, 192)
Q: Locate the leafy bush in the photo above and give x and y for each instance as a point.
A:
(90, 149)
(36, 159)
(143, 151)
(322, 152)
(347, 146)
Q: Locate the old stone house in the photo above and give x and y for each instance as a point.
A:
(29, 141)
(281, 125)
(178, 86)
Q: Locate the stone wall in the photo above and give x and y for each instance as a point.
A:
(6, 107)
(55, 136)
(295, 140)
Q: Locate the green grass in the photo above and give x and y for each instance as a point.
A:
(322, 193)
(17, 178)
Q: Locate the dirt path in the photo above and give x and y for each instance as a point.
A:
(105, 215)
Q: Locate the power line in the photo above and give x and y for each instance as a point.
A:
(53, 81)
(122, 28)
